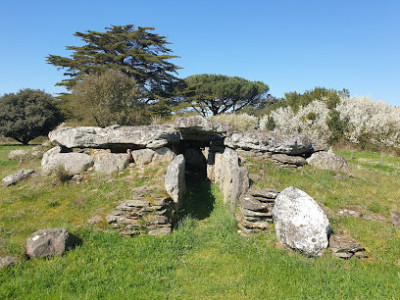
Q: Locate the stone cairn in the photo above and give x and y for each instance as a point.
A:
(255, 210)
(149, 215)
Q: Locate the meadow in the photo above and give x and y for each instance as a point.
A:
(205, 257)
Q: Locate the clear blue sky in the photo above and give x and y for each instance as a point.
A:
(289, 45)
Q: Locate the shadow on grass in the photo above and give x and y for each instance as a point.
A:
(198, 201)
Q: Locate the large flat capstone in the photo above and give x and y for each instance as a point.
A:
(292, 144)
(115, 137)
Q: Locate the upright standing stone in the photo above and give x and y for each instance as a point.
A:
(233, 179)
(175, 178)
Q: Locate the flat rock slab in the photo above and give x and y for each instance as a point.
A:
(346, 247)
(115, 137)
(17, 177)
(300, 223)
(289, 159)
(270, 142)
(48, 242)
(328, 161)
(250, 203)
(265, 193)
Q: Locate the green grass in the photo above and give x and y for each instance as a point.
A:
(205, 257)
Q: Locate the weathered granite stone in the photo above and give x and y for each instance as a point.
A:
(17, 177)
(47, 242)
(328, 161)
(47, 156)
(109, 163)
(163, 154)
(73, 163)
(300, 223)
(233, 179)
(346, 247)
(270, 142)
(115, 137)
(175, 178)
(143, 157)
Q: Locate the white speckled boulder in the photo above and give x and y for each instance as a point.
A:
(300, 223)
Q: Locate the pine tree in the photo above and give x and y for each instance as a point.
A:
(136, 52)
(216, 94)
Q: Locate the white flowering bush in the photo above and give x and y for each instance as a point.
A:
(241, 122)
(379, 121)
(366, 121)
(310, 120)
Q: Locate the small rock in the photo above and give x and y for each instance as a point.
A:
(18, 176)
(7, 261)
(345, 213)
(48, 242)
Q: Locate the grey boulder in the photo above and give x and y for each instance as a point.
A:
(300, 223)
(328, 161)
(48, 242)
(17, 177)
(109, 163)
(73, 163)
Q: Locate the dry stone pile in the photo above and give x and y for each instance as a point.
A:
(255, 210)
(152, 215)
